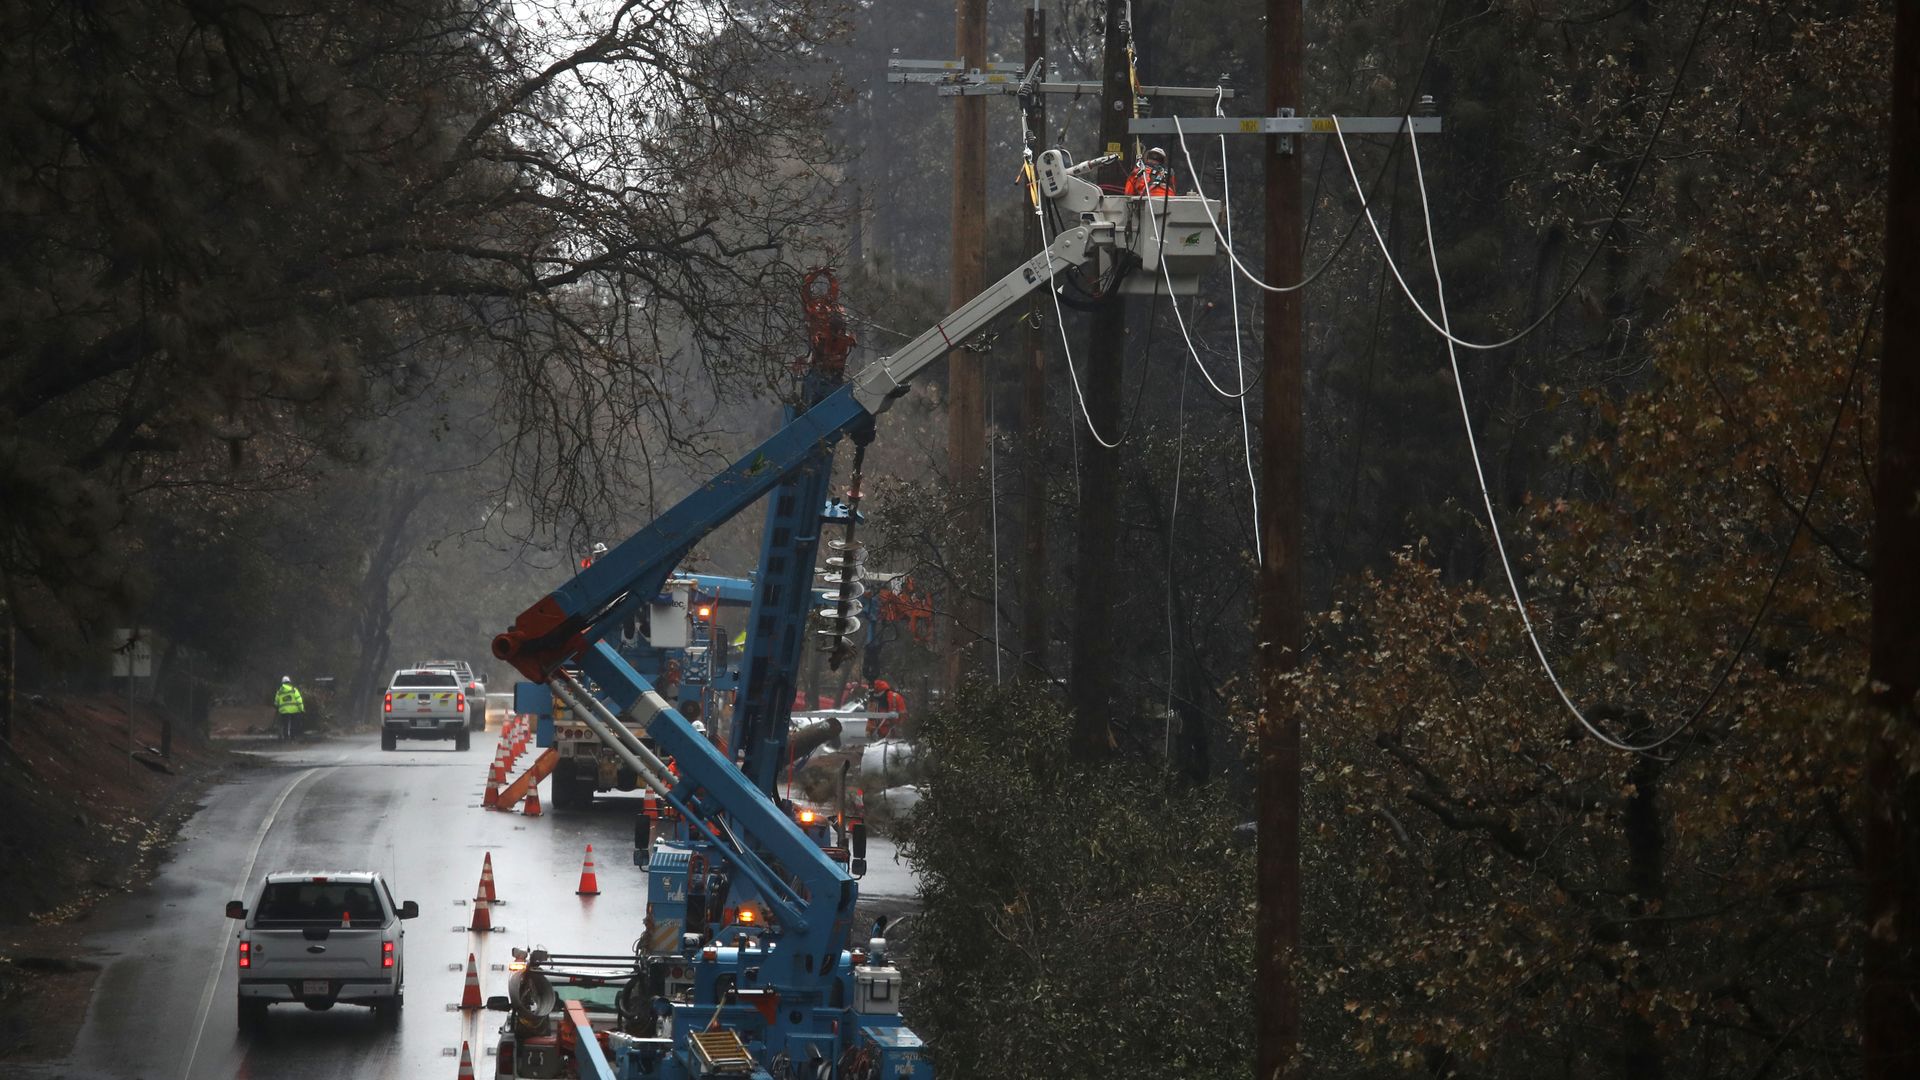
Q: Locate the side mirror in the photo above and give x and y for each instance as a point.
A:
(236, 910)
(858, 833)
(409, 910)
(499, 1003)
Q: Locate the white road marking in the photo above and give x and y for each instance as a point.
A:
(226, 936)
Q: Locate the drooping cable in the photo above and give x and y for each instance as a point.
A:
(1246, 441)
(1226, 243)
(1800, 520)
(1353, 225)
(1060, 318)
(1620, 208)
(1166, 275)
(1480, 477)
(1239, 357)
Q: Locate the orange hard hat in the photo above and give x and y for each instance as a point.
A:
(881, 684)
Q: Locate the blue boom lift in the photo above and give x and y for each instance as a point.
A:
(782, 993)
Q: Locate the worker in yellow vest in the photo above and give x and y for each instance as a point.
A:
(290, 705)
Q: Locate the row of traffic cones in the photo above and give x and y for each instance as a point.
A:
(470, 1002)
(513, 742)
(485, 896)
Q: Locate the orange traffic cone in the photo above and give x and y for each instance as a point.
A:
(466, 1062)
(482, 918)
(589, 884)
(492, 799)
(485, 891)
(470, 997)
(532, 806)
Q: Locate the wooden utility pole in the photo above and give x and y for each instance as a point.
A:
(1091, 687)
(1033, 405)
(966, 382)
(1891, 1027)
(1277, 782)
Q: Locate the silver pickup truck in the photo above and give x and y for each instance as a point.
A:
(321, 938)
(424, 703)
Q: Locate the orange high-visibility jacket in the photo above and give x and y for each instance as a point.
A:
(1154, 180)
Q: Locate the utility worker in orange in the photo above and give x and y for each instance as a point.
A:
(1153, 176)
(886, 699)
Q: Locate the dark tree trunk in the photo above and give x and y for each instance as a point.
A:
(1641, 1056)
(375, 617)
(966, 377)
(1891, 1021)
(1096, 544)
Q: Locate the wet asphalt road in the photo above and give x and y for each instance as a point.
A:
(163, 1007)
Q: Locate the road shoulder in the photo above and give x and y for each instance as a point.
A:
(83, 821)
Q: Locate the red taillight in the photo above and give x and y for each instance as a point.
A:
(504, 1063)
(246, 954)
(389, 702)
(462, 704)
(386, 954)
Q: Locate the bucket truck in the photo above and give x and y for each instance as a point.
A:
(770, 981)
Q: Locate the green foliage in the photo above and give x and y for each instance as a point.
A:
(1080, 921)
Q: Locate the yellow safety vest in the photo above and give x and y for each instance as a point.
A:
(288, 699)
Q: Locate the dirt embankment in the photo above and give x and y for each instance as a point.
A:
(80, 819)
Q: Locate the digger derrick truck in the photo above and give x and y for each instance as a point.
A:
(679, 643)
(771, 984)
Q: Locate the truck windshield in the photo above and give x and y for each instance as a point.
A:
(432, 680)
(317, 903)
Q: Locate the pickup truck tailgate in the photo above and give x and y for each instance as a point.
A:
(317, 954)
(426, 703)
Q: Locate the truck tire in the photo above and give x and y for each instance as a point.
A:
(250, 1013)
(388, 1011)
(387, 741)
(461, 740)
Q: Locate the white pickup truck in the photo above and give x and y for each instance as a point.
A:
(424, 703)
(321, 938)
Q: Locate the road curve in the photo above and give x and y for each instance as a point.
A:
(163, 1007)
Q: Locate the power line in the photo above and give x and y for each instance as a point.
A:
(1626, 193)
(1353, 225)
(1239, 359)
(1506, 564)
(1480, 475)
(1060, 320)
(1192, 351)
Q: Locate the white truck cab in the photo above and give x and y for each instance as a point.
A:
(320, 938)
